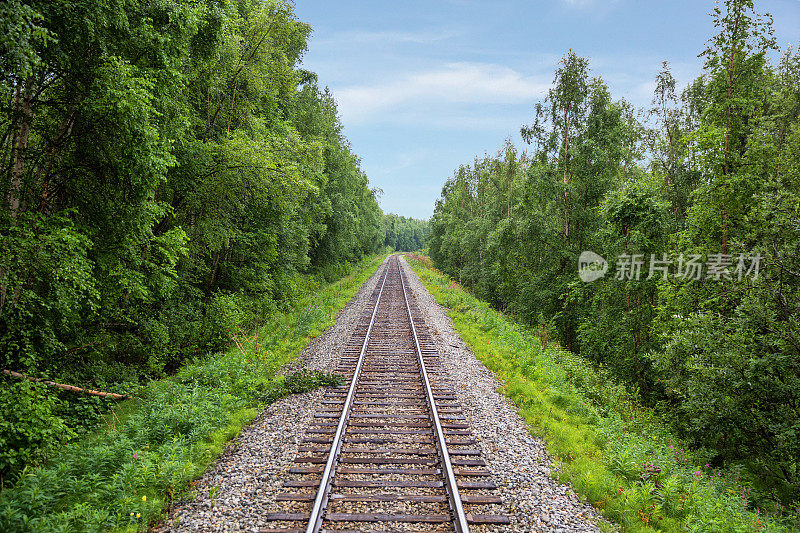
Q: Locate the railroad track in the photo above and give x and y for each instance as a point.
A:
(390, 449)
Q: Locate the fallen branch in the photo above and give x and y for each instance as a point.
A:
(70, 388)
(79, 348)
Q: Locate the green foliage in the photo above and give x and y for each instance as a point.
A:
(170, 178)
(46, 285)
(226, 317)
(22, 33)
(29, 438)
(305, 380)
(613, 450)
(404, 234)
(711, 171)
(124, 474)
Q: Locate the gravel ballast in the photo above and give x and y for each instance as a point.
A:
(240, 487)
(518, 461)
(239, 490)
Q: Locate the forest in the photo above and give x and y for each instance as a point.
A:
(691, 209)
(170, 176)
(405, 234)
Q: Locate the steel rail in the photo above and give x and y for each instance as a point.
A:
(454, 497)
(321, 501)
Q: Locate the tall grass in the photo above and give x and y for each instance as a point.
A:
(612, 450)
(124, 475)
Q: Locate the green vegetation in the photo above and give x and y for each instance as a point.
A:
(170, 179)
(710, 177)
(173, 181)
(613, 450)
(404, 234)
(122, 475)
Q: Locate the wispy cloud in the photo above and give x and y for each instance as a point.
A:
(402, 161)
(579, 3)
(361, 37)
(594, 6)
(642, 93)
(450, 84)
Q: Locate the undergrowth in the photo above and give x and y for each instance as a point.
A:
(611, 449)
(124, 474)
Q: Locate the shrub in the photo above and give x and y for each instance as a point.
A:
(613, 450)
(29, 429)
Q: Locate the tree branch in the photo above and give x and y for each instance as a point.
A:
(70, 388)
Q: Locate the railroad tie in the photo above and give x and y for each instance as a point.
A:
(392, 444)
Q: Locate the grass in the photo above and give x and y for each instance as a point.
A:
(614, 452)
(126, 473)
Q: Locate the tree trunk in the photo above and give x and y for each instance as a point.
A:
(23, 104)
(63, 132)
(70, 388)
(726, 163)
(565, 155)
(213, 272)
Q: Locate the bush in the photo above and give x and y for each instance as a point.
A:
(611, 448)
(125, 473)
(226, 316)
(29, 429)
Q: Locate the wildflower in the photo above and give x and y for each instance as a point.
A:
(131, 514)
(144, 498)
(706, 465)
(138, 515)
(135, 456)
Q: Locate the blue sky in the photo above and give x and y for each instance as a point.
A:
(424, 86)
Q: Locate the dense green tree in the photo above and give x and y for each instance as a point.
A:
(167, 170)
(404, 234)
(710, 173)
(731, 355)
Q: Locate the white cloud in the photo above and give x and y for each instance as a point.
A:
(403, 161)
(451, 84)
(594, 5)
(642, 93)
(358, 37)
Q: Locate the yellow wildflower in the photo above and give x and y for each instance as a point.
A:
(144, 498)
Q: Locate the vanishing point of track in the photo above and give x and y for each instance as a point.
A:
(389, 450)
